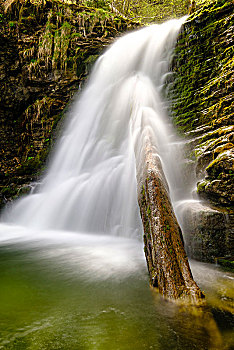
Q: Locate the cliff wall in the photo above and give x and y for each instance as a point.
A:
(201, 98)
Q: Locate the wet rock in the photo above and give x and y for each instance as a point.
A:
(218, 184)
(207, 231)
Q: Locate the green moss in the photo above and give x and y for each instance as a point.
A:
(12, 24)
(226, 263)
(148, 211)
(33, 165)
(9, 191)
(222, 148)
(203, 67)
(201, 186)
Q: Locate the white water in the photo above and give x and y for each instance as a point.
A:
(90, 184)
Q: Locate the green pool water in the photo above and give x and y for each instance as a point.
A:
(91, 292)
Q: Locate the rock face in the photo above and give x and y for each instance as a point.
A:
(164, 248)
(207, 231)
(47, 48)
(201, 96)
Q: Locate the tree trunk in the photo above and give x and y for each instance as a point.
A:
(164, 249)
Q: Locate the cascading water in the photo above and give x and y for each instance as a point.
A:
(90, 185)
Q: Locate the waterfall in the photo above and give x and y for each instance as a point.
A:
(90, 184)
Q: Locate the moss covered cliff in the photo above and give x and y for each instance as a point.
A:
(201, 96)
(47, 48)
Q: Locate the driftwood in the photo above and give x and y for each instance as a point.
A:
(164, 249)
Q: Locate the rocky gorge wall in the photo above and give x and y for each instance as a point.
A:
(47, 48)
(201, 99)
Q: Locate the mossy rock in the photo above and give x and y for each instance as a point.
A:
(227, 263)
(201, 96)
(222, 164)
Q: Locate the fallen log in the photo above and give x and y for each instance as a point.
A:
(167, 261)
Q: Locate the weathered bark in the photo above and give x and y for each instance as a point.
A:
(164, 249)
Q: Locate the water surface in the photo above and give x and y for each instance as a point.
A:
(76, 291)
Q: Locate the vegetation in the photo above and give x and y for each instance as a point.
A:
(203, 64)
(148, 10)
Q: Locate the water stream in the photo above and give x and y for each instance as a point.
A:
(90, 184)
(73, 274)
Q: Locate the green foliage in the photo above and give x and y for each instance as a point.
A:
(98, 4)
(145, 11)
(228, 264)
(148, 211)
(151, 11)
(11, 24)
(204, 2)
